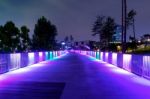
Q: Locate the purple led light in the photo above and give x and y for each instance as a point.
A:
(114, 59)
(15, 61)
(106, 56)
(146, 66)
(40, 54)
(127, 58)
(30, 58)
(102, 56)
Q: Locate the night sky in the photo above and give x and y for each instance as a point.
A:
(72, 17)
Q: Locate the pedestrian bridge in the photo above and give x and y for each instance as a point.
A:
(73, 75)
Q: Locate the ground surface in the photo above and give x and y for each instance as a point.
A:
(73, 76)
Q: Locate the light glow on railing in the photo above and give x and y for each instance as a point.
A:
(51, 55)
(15, 61)
(146, 66)
(40, 54)
(102, 56)
(97, 55)
(106, 56)
(31, 58)
(127, 58)
(114, 59)
(46, 55)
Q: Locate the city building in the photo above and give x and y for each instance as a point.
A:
(117, 36)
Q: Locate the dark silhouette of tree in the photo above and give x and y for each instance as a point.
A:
(10, 37)
(105, 28)
(25, 40)
(131, 21)
(1, 38)
(109, 30)
(98, 28)
(44, 35)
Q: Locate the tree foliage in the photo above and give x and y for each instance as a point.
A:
(13, 39)
(25, 40)
(105, 28)
(130, 17)
(10, 37)
(131, 21)
(44, 35)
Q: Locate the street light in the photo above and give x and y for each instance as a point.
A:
(63, 45)
(124, 25)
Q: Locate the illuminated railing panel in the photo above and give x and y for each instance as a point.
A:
(14, 62)
(9, 62)
(127, 58)
(106, 56)
(31, 58)
(4, 63)
(146, 66)
(137, 64)
(97, 55)
(46, 56)
(114, 59)
(101, 55)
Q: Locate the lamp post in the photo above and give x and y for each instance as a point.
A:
(124, 25)
(63, 45)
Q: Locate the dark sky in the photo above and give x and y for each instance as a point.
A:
(72, 17)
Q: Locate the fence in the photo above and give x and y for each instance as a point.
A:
(137, 64)
(9, 62)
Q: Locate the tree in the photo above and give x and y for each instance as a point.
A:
(131, 21)
(44, 35)
(105, 28)
(10, 37)
(98, 27)
(109, 30)
(25, 40)
(1, 38)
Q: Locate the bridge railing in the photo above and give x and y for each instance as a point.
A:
(13, 61)
(137, 64)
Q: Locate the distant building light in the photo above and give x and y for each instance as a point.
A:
(139, 41)
(63, 43)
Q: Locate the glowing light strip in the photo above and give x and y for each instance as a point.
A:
(146, 66)
(30, 58)
(15, 61)
(106, 56)
(127, 58)
(114, 59)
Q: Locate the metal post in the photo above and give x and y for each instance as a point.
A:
(122, 29)
(125, 24)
